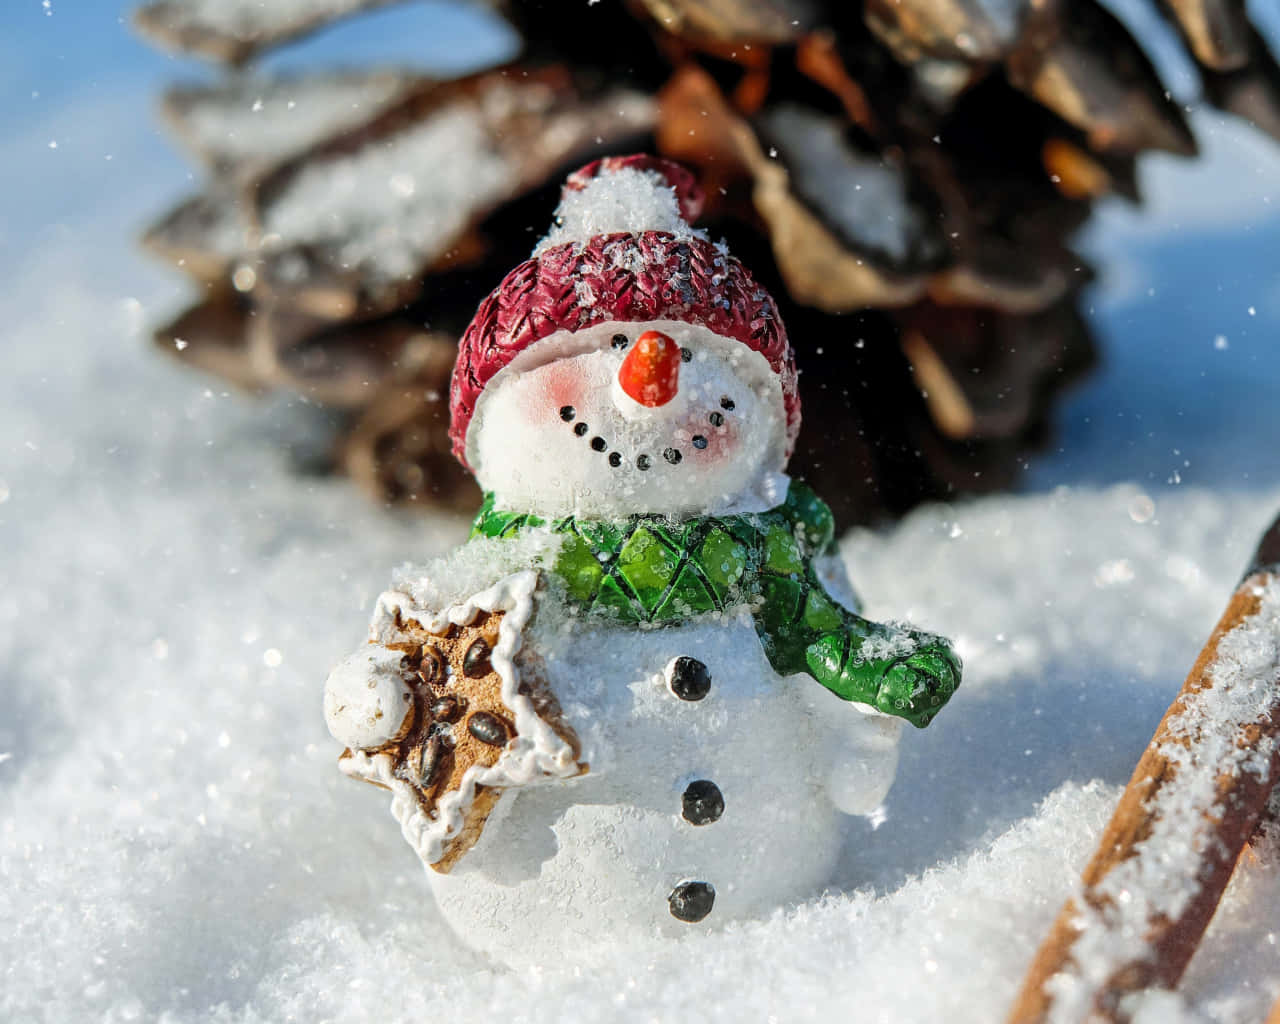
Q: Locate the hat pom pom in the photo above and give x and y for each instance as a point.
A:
(620, 194)
(689, 193)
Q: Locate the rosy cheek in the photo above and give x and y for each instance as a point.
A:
(558, 388)
(723, 442)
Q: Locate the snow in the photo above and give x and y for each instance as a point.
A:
(392, 208)
(253, 19)
(395, 205)
(862, 195)
(257, 120)
(1206, 742)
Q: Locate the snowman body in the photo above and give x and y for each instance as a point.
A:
(693, 793)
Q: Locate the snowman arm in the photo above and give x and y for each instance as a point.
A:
(898, 670)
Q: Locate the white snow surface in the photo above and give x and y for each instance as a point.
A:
(178, 845)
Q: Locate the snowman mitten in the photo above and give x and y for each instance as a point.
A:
(907, 673)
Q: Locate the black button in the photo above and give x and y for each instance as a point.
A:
(691, 901)
(688, 678)
(702, 802)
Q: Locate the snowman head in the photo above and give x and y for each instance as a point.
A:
(629, 366)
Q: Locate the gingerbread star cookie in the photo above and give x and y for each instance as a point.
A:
(447, 711)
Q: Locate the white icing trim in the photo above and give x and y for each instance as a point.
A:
(536, 754)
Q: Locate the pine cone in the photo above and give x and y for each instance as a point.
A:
(905, 175)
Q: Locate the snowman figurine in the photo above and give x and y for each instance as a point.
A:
(644, 674)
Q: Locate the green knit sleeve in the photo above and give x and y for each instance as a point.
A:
(898, 670)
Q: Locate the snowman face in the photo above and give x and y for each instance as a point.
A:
(695, 425)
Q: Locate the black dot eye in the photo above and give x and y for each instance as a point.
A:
(726, 402)
(615, 460)
(567, 413)
(699, 441)
(581, 429)
(642, 462)
(673, 456)
(598, 444)
(621, 341)
(686, 354)
(717, 419)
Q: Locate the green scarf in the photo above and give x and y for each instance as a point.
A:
(651, 569)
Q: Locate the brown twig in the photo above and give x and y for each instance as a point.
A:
(1143, 909)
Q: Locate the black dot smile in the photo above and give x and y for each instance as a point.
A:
(673, 456)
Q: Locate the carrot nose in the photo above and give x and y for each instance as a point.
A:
(651, 372)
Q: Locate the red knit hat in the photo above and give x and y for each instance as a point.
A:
(621, 273)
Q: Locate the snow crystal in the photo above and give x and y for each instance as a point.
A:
(897, 644)
(625, 200)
